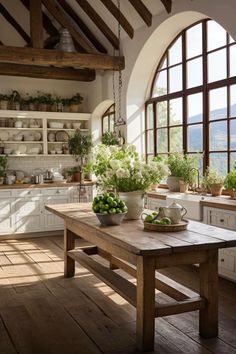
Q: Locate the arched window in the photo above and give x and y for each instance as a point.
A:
(192, 106)
(108, 120)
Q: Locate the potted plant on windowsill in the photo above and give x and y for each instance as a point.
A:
(75, 102)
(230, 183)
(4, 99)
(214, 181)
(120, 168)
(80, 146)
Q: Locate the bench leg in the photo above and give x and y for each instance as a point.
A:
(208, 317)
(145, 326)
(69, 244)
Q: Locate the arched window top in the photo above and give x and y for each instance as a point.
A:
(192, 104)
(108, 119)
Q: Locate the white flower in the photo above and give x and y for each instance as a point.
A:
(109, 174)
(115, 164)
(122, 173)
(131, 148)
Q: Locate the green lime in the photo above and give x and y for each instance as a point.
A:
(110, 200)
(105, 212)
(122, 204)
(156, 221)
(96, 208)
(111, 194)
(118, 211)
(112, 211)
(105, 195)
(106, 206)
(114, 204)
(165, 221)
(96, 199)
(149, 218)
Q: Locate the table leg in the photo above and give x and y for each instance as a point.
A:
(208, 318)
(69, 244)
(145, 326)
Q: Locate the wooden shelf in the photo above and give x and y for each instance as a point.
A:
(23, 142)
(7, 128)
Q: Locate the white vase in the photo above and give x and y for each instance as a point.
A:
(134, 202)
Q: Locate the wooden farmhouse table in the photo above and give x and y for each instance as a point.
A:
(141, 253)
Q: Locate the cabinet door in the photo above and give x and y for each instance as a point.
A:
(6, 215)
(28, 215)
(155, 203)
(53, 222)
(81, 194)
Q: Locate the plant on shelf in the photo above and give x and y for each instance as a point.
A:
(15, 99)
(121, 168)
(214, 181)
(80, 146)
(4, 99)
(109, 138)
(3, 166)
(183, 171)
(74, 102)
(230, 183)
(44, 101)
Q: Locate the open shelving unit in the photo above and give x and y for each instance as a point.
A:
(41, 120)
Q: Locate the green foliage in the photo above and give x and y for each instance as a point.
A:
(184, 166)
(3, 165)
(76, 99)
(4, 97)
(15, 96)
(212, 177)
(109, 203)
(44, 98)
(80, 146)
(109, 138)
(230, 181)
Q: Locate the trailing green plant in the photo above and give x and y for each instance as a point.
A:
(4, 97)
(230, 181)
(184, 166)
(80, 146)
(3, 165)
(15, 96)
(76, 99)
(109, 138)
(212, 177)
(44, 98)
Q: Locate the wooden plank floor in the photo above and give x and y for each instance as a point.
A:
(41, 312)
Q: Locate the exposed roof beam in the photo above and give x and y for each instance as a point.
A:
(14, 24)
(88, 9)
(34, 56)
(66, 22)
(84, 28)
(47, 72)
(1, 43)
(167, 4)
(47, 24)
(119, 17)
(36, 23)
(143, 11)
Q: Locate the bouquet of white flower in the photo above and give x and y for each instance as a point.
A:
(120, 167)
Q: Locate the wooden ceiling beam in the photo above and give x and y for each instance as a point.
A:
(119, 17)
(143, 11)
(98, 21)
(84, 28)
(9, 18)
(47, 72)
(167, 4)
(61, 17)
(47, 24)
(34, 56)
(36, 23)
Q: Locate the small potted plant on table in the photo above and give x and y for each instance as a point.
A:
(214, 181)
(80, 146)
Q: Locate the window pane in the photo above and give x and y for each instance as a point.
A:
(195, 108)
(150, 116)
(233, 60)
(161, 108)
(231, 40)
(112, 120)
(218, 103)
(163, 64)
(105, 124)
(218, 161)
(194, 41)
(216, 35)
(176, 111)
(233, 134)
(232, 161)
(176, 139)
(233, 101)
(175, 52)
(194, 72)
(217, 65)
(160, 86)
(195, 138)
(150, 143)
(175, 79)
(218, 136)
(162, 141)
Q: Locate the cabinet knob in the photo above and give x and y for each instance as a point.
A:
(222, 260)
(29, 192)
(221, 220)
(57, 191)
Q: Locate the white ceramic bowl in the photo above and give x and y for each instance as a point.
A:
(35, 150)
(18, 124)
(56, 125)
(7, 151)
(76, 125)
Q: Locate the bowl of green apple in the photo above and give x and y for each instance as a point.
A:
(109, 209)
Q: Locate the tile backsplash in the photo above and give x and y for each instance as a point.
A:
(29, 164)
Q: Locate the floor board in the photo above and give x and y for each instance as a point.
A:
(41, 312)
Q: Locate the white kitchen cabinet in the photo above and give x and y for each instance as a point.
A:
(154, 203)
(227, 257)
(28, 216)
(6, 212)
(81, 194)
(54, 196)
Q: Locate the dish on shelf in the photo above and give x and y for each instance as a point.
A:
(22, 148)
(37, 136)
(34, 123)
(52, 152)
(76, 125)
(34, 126)
(4, 135)
(62, 136)
(7, 151)
(29, 137)
(51, 137)
(17, 137)
(56, 125)
(35, 150)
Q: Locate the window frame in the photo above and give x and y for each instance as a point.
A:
(110, 112)
(205, 88)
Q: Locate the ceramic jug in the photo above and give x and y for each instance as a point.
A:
(175, 212)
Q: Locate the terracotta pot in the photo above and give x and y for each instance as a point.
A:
(32, 107)
(173, 183)
(183, 186)
(1, 180)
(74, 108)
(77, 177)
(216, 189)
(43, 107)
(4, 104)
(232, 193)
(134, 202)
(154, 187)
